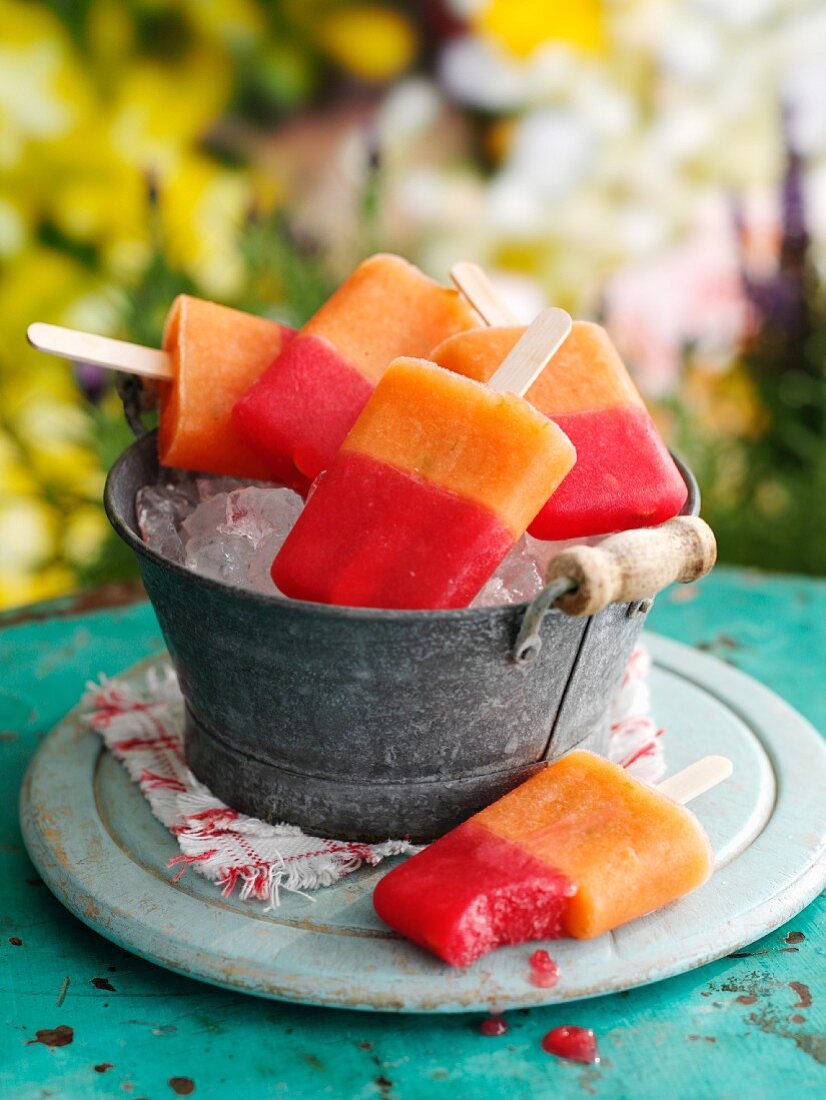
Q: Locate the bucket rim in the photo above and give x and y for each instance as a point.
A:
(131, 537)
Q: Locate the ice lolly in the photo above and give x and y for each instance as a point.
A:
(580, 848)
(211, 356)
(216, 353)
(434, 484)
(297, 414)
(624, 476)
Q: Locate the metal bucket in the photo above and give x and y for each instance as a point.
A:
(367, 724)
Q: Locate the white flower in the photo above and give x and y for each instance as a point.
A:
(473, 71)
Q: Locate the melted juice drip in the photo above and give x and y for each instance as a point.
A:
(494, 1025)
(544, 971)
(577, 1044)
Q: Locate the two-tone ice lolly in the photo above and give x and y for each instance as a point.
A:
(211, 356)
(434, 484)
(580, 848)
(624, 476)
(297, 414)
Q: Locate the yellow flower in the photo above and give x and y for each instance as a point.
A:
(372, 43)
(28, 529)
(42, 88)
(202, 207)
(237, 22)
(160, 110)
(15, 475)
(85, 531)
(19, 587)
(522, 26)
(102, 198)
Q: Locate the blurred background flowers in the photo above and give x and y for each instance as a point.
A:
(657, 164)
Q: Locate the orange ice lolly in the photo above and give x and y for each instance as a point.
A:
(297, 414)
(580, 848)
(624, 475)
(216, 354)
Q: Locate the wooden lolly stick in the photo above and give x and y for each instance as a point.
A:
(696, 779)
(532, 352)
(472, 283)
(83, 347)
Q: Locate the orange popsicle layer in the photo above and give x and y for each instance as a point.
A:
(564, 386)
(493, 449)
(217, 353)
(387, 308)
(628, 849)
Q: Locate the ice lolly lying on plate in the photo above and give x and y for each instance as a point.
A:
(624, 476)
(212, 355)
(297, 414)
(580, 848)
(434, 484)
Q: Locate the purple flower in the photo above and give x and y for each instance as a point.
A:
(92, 380)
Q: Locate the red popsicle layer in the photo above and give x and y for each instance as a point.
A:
(472, 891)
(297, 415)
(364, 517)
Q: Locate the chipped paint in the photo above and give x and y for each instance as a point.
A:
(60, 1036)
(771, 1023)
(803, 993)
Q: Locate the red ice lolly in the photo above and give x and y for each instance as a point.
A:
(624, 476)
(578, 849)
(297, 414)
(436, 481)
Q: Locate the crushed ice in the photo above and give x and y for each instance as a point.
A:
(220, 527)
(231, 531)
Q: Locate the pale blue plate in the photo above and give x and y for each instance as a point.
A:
(96, 844)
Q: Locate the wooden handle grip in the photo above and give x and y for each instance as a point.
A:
(634, 564)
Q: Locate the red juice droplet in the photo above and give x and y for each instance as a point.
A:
(494, 1025)
(544, 971)
(577, 1044)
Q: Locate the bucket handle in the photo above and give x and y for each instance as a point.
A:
(137, 397)
(629, 567)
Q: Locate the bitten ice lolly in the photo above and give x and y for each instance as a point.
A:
(580, 848)
(297, 414)
(212, 355)
(624, 476)
(435, 483)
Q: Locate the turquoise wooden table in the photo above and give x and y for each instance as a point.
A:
(82, 1018)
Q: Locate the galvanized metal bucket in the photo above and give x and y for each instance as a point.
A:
(368, 724)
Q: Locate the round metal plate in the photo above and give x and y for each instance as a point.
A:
(97, 846)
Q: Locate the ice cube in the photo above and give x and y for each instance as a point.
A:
(203, 522)
(258, 574)
(212, 551)
(516, 580)
(160, 511)
(224, 558)
(543, 551)
(257, 513)
(208, 486)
